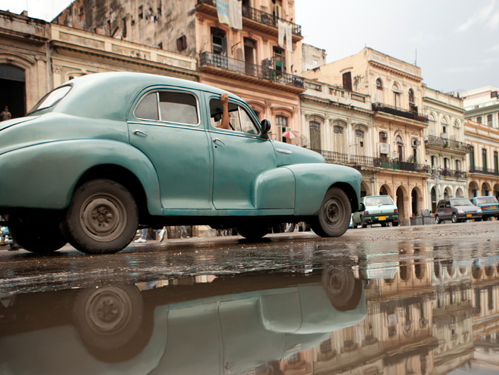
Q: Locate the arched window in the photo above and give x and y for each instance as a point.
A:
(379, 91)
(379, 84)
(338, 138)
(411, 96)
(396, 94)
(315, 135)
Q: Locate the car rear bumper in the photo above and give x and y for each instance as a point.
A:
(378, 218)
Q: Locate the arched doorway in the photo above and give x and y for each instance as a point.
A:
(385, 190)
(415, 202)
(459, 193)
(433, 200)
(364, 190)
(400, 205)
(447, 193)
(472, 190)
(13, 93)
(485, 190)
(496, 191)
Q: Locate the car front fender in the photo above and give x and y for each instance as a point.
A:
(313, 181)
(45, 175)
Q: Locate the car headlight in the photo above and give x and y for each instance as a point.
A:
(460, 212)
(479, 210)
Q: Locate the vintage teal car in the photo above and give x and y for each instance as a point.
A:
(378, 209)
(105, 153)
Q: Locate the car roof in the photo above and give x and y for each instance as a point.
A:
(110, 95)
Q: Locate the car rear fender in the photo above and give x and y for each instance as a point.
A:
(313, 181)
(45, 175)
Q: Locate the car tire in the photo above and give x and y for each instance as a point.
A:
(395, 224)
(102, 217)
(342, 288)
(364, 226)
(109, 321)
(252, 232)
(383, 225)
(334, 214)
(437, 219)
(38, 238)
(454, 218)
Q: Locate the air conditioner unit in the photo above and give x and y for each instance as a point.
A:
(384, 148)
(384, 135)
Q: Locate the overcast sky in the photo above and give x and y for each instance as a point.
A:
(456, 40)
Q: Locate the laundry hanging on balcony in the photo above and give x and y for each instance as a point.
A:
(236, 14)
(281, 26)
(223, 11)
(289, 38)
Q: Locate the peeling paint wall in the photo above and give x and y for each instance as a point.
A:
(154, 23)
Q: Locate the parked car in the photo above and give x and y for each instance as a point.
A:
(456, 210)
(106, 152)
(378, 209)
(488, 205)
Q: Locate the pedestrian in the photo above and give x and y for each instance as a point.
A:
(183, 230)
(5, 114)
(143, 237)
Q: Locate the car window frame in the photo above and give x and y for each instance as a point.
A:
(240, 105)
(160, 120)
(39, 102)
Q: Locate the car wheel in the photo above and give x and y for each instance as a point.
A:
(342, 288)
(334, 214)
(38, 238)
(252, 232)
(383, 225)
(364, 225)
(109, 320)
(102, 217)
(437, 219)
(454, 218)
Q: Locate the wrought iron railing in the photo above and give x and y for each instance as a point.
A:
(365, 161)
(260, 16)
(333, 157)
(444, 142)
(491, 171)
(405, 166)
(240, 66)
(381, 107)
(453, 173)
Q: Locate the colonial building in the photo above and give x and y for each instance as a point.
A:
(24, 62)
(445, 147)
(338, 124)
(247, 61)
(396, 92)
(482, 132)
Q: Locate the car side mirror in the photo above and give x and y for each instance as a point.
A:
(362, 207)
(265, 125)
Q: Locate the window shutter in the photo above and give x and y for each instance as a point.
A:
(347, 81)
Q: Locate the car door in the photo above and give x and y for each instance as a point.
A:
(240, 154)
(448, 210)
(166, 126)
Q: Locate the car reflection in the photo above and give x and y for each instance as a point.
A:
(226, 325)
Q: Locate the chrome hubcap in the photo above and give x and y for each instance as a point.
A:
(334, 212)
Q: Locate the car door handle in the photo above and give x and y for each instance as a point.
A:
(216, 141)
(140, 133)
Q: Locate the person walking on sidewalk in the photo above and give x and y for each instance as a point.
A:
(143, 237)
(183, 230)
(5, 114)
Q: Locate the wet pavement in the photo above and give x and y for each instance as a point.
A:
(416, 300)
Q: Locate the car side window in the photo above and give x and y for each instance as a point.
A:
(447, 204)
(247, 124)
(441, 204)
(216, 111)
(147, 108)
(178, 107)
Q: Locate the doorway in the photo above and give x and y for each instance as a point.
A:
(13, 93)
(400, 205)
(250, 56)
(415, 202)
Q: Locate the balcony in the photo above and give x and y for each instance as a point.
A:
(453, 173)
(243, 71)
(405, 166)
(253, 18)
(489, 171)
(380, 107)
(444, 142)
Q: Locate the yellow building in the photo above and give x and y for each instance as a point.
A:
(396, 91)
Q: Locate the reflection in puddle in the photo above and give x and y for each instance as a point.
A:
(406, 317)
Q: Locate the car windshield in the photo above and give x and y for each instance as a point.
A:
(378, 201)
(486, 200)
(51, 99)
(461, 202)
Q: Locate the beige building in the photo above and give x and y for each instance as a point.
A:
(396, 91)
(248, 62)
(24, 62)
(446, 150)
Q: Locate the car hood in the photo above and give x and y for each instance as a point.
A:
(20, 120)
(287, 154)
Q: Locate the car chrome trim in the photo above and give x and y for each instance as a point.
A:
(283, 151)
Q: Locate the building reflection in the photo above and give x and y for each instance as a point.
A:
(432, 317)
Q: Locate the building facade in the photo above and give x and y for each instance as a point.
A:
(446, 150)
(24, 62)
(482, 132)
(248, 62)
(396, 93)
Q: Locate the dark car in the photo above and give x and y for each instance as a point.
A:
(456, 210)
(488, 205)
